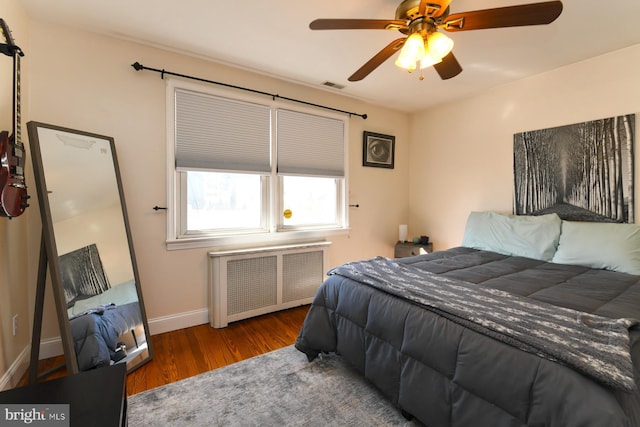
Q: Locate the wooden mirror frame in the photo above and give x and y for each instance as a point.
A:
(49, 251)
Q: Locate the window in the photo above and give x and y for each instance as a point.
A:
(310, 202)
(246, 168)
(219, 202)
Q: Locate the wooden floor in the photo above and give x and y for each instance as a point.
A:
(186, 352)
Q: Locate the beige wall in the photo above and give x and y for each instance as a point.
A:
(462, 152)
(90, 85)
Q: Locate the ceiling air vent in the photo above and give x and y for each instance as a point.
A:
(333, 85)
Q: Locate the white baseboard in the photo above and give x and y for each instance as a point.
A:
(52, 347)
(160, 325)
(17, 369)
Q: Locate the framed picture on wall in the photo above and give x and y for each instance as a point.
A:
(378, 150)
(582, 171)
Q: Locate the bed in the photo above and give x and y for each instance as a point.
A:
(101, 316)
(419, 329)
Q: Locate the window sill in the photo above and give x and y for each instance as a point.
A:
(254, 240)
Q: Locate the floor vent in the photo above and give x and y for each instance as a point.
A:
(250, 282)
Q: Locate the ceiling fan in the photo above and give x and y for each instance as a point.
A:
(424, 45)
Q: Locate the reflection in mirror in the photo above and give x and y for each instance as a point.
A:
(91, 258)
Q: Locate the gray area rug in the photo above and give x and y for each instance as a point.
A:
(279, 388)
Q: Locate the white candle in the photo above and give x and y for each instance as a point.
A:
(402, 232)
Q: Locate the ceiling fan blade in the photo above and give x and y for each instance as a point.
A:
(357, 24)
(378, 59)
(510, 16)
(449, 67)
(422, 9)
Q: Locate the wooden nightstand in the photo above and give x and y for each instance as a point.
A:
(404, 249)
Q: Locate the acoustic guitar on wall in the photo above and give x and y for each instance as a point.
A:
(13, 189)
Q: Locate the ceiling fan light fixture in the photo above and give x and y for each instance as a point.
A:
(439, 45)
(405, 63)
(428, 60)
(412, 52)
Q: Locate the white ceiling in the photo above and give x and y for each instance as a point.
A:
(273, 37)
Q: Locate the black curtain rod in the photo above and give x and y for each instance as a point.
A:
(138, 66)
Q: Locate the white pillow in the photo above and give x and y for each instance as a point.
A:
(519, 235)
(600, 245)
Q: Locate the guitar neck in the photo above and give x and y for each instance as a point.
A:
(17, 128)
(11, 49)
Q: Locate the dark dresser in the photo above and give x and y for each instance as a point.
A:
(95, 398)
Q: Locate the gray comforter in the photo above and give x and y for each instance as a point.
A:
(446, 374)
(96, 332)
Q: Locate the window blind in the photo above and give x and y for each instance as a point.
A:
(216, 133)
(309, 145)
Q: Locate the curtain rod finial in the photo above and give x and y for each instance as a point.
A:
(364, 116)
(138, 66)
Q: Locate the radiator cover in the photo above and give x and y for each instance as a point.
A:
(250, 282)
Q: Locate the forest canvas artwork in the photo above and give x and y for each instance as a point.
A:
(582, 172)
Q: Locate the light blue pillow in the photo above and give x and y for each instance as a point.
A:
(600, 245)
(519, 235)
(121, 294)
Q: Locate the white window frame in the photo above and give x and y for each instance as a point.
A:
(274, 231)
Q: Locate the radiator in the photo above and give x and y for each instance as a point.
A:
(250, 282)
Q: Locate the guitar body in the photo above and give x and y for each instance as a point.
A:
(4, 164)
(13, 189)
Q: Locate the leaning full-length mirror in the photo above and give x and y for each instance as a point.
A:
(88, 248)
